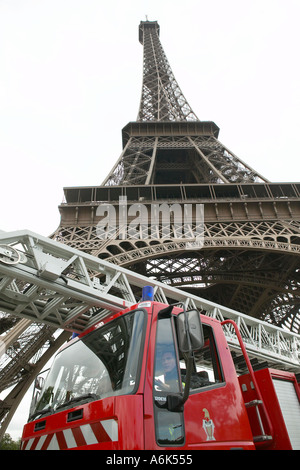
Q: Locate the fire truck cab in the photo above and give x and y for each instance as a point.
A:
(157, 377)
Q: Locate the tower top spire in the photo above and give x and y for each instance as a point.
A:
(149, 25)
(162, 98)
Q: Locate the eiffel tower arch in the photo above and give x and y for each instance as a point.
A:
(249, 259)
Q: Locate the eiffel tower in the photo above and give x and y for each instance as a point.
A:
(249, 260)
(250, 257)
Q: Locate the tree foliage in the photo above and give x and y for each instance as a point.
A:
(8, 443)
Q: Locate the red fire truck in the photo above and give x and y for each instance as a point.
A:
(156, 376)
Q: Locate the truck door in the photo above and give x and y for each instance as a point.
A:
(214, 415)
(169, 425)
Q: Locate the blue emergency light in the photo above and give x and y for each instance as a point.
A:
(147, 293)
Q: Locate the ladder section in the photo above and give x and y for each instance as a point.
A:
(262, 437)
(46, 281)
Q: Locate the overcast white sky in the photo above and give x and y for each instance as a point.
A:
(71, 78)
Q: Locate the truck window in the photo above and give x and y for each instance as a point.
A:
(207, 369)
(169, 426)
(103, 363)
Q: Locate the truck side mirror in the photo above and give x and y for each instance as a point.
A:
(193, 339)
(39, 383)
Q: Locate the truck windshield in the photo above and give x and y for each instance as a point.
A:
(103, 363)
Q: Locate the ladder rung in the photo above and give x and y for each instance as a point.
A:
(253, 403)
(263, 437)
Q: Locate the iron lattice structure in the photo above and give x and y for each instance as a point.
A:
(162, 98)
(250, 258)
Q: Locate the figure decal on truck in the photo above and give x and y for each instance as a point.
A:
(208, 426)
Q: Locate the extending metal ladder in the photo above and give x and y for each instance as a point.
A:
(45, 281)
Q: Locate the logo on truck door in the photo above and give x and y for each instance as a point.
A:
(208, 426)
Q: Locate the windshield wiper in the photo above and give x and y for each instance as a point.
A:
(92, 396)
(41, 412)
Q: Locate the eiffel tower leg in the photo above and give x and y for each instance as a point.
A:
(6, 341)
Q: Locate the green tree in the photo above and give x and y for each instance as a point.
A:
(8, 443)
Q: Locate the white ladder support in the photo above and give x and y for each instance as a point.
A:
(46, 281)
